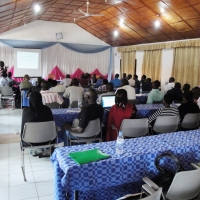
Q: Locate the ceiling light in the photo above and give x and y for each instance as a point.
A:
(121, 22)
(162, 10)
(157, 23)
(37, 8)
(116, 33)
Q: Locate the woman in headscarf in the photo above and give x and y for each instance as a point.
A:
(37, 112)
(121, 110)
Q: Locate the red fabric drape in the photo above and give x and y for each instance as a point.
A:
(58, 75)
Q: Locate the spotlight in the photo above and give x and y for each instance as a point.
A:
(157, 23)
(116, 33)
(37, 8)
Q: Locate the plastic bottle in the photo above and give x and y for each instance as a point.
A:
(119, 143)
(79, 104)
(140, 87)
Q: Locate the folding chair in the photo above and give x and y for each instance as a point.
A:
(7, 94)
(34, 133)
(90, 134)
(190, 121)
(166, 124)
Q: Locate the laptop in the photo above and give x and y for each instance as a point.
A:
(107, 101)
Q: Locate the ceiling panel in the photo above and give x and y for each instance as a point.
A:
(127, 23)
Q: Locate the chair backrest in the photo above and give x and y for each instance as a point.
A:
(166, 124)
(155, 196)
(134, 127)
(6, 91)
(185, 185)
(54, 105)
(157, 102)
(191, 121)
(93, 128)
(37, 132)
(133, 101)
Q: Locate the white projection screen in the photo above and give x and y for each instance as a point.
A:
(27, 61)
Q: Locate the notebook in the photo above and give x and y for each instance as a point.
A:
(107, 101)
(87, 156)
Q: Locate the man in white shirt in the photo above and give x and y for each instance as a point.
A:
(130, 80)
(3, 81)
(74, 92)
(170, 85)
(57, 87)
(130, 90)
(67, 81)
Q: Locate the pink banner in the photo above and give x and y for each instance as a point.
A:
(96, 71)
(58, 75)
(77, 73)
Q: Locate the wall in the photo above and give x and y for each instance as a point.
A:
(46, 31)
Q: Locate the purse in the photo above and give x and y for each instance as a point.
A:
(166, 177)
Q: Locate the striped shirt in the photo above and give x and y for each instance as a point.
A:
(51, 97)
(172, 111)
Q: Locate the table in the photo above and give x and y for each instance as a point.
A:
(61, 116)
(121, 174)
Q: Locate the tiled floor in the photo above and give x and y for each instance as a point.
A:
(39, 171)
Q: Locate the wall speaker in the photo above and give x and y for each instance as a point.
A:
(59, 36)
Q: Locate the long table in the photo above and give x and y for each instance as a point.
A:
(121, 174)
(61, 116)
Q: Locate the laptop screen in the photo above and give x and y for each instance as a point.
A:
(107, 101)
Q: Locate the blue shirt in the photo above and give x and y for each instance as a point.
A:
(116, 82)
(98, 83)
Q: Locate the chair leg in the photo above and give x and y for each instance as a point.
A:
(23, 164)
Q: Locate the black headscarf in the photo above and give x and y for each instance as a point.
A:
(35, 101)
(121, 98)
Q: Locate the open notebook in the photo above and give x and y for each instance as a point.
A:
(87, 156)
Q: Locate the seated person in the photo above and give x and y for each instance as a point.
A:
(186, 87)
(49, 96)
(37, 87)
(130, 80)
(176, 92)
(103, 87)
(109, 91)
(99, 82)
(3, 80)
(25, 84)
(147, 85)
(130, 90)
(137, 84)
(37, 112)
(93, 79)
(67, 81)
(155, 94)
(83, 81)
(170, 85)
(143, 79)
(91, 112)
(121, 110)
(167, 111)
(188, 106)
(196, 95)
(116, 82)
(57, 87)
(74, 92)
(10, 80)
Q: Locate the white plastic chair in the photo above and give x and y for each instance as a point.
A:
(90, 134)
(134, 127)
(7, 94)
(191, 121)
(37, 132)
(185, 185)
(166, 124)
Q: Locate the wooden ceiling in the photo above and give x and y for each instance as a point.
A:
(134, 20)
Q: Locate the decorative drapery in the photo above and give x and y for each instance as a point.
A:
(186, 67)
(7, 55)
(128, 62)
(151, 66)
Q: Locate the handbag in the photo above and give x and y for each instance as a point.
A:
(166, 177)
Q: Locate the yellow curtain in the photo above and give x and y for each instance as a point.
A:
(128, 62)
(186, 68)
(151, 66)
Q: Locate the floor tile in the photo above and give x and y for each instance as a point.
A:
(4, 170)
(42, 165)
(45, 188)
(14, 152)
(4, 193)
(17, 159)
(18, 179)
(14, 146)
(3, 153)
(3, 161)
(41, 176)
(3, 181)
(49, 197)
(23, 192)
(4, 146)
(16, 168)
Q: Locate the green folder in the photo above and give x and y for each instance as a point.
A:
(87, 156)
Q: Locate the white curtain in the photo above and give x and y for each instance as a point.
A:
(7, 55)
(69, 61)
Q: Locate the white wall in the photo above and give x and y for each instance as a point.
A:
(46, 31)
(116, 61)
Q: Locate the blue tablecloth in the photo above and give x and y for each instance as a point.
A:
(121, 174)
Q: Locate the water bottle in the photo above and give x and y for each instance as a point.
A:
(79, 104)
(140, 87)
(119, 143)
